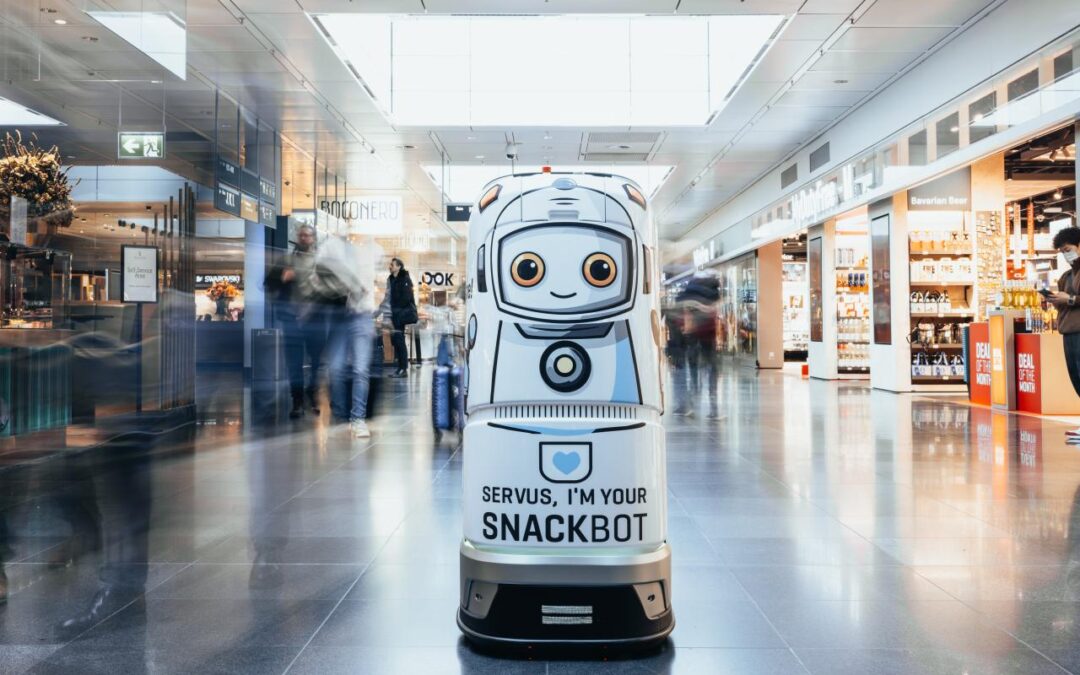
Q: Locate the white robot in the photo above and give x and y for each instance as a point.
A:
(565, 502)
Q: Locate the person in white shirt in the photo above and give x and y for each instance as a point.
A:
(345, 276)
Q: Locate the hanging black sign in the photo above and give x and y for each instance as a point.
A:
(227, 199)
(267, 190)
(267, 214)
(227, 172)
(249, 182)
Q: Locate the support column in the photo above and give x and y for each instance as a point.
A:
(770, 305)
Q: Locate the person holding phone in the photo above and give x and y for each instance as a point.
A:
(1067, 242)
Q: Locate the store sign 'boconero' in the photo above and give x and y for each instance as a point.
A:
(376, 214)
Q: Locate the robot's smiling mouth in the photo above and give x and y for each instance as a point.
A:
(563, 297)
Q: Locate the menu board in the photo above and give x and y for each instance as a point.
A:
(881, 276)
(139, 273)
(813, 253)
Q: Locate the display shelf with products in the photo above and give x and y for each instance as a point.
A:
(796, 310)
(942, 282)
(852, 297)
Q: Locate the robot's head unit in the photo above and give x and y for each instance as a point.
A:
(560, 248)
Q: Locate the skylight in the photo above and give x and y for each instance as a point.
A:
(160, 35)
(13, 114)
(580, 70)
(464, 182)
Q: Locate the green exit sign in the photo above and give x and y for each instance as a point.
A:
(140, 145)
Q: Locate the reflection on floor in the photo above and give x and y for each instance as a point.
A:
(816, 527)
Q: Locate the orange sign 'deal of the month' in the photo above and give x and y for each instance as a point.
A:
(979, 385)
(1028, 367)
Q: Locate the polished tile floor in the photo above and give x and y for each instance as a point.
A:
(816, 527)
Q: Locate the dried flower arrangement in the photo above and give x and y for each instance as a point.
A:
(35, 174)
(222, 290)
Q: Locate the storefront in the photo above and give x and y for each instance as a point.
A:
(917, 237)
(796, 300)
(1018, 357)
(839, 270)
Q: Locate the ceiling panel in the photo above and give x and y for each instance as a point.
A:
(812, 26)
(844, 7)
(783, 59)
(739, 7)
(839, 97)
(841, 80)
(907, 13)
(864, 62)
(890, 39)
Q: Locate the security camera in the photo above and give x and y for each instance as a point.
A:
(512, 150)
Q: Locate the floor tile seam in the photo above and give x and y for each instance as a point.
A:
(769, 621)
(344, 595)
(985, 620)
(142, 596)
(312, 484)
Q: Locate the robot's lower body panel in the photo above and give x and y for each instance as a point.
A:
(565, 528)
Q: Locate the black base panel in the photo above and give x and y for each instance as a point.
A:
(618, 618)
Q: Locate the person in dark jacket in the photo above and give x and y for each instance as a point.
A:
(399, 293)
(1067, 301)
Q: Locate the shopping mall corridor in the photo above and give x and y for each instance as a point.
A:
(816, 527)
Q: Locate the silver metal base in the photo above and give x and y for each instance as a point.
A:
(520, 599)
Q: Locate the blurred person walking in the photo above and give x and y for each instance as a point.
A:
(302, 317)
(344, 276)
(699, 300)
(399, 295)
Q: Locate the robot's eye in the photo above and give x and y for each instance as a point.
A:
(527, 269)
(599, 270)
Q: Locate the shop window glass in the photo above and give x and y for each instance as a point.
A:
(947, 133)
(978, 111)
(917, 148)
(1024, 85)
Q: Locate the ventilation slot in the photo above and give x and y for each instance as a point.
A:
(819, 158)
(566, 411)
(789, 176)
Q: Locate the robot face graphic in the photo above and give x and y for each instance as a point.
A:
(565, 268)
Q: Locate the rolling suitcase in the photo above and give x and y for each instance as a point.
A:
(440, 398)
(457, 396)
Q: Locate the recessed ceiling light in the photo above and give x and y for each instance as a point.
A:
(954, 129)
(407, 146)
(15, 114)
(840, 81)
(547, 137)
(620, 146)
(470, 138)
(160, 35)
(479, 156)
(60, 22)
(1057, 194)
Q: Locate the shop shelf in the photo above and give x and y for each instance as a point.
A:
(941, 254)
(931, 347)
(938, 284)
(937, 379)
(943, 315)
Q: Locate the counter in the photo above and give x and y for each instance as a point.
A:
(1011, 370)
(1042, 378)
